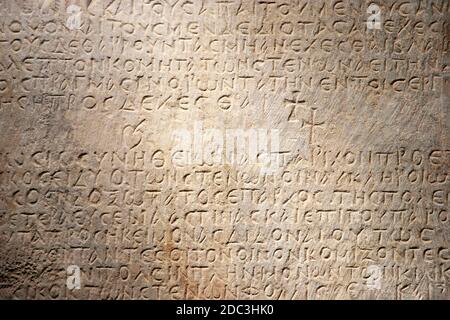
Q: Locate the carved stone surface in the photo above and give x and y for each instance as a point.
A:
(239, 149)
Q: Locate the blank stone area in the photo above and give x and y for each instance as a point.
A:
(238, 149)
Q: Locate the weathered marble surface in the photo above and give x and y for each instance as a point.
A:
(336, 186)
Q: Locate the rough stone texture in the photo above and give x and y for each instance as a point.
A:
(96, 97)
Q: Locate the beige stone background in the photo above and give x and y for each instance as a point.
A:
(90, 105)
